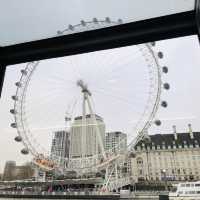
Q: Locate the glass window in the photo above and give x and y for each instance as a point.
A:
(55, 91)
(187, 185)
(182, 185)
(37, 20)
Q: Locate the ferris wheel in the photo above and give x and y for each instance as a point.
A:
(86, 96)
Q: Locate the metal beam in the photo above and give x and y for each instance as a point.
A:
(2, 75)
(197, 7)
(166, 27)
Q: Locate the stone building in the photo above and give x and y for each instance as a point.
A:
(172, 157)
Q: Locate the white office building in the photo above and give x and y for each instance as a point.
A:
(90, 144)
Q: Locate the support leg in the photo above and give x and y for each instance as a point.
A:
(97, 129)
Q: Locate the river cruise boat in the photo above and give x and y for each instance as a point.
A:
(186, 191)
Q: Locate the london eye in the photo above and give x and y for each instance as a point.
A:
(87, 96)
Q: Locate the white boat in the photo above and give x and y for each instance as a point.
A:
(186, 191)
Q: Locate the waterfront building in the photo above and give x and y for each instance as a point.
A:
(9, 170)
(90, 146)
(60, 146)
(24, 172)
(116, 142)
(168, 157)
(14, 172)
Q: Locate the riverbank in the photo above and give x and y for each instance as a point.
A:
(83, 195)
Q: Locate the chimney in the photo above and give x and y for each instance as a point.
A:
(175, 133)
(190, 131)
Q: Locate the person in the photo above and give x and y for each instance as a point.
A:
(50, 189)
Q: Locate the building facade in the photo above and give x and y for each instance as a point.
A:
(14, 172)
(90, 146)
(60, 146)
(116, 142)
(9, 170)
(172, 157)
(24, 172)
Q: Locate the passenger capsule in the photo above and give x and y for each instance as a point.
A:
(67, 119)
(165, 69)
(166, 86)
(95, 20)
(157, 122)
(25, 151)
(13, 125)
(18, 84)
(14, 97)
(59, 32)
(146, 139)
(13, 111)
(70, 27)
(24, 72)
(160, 54)
(18, 138)
(120, 21)
(108, 20)
(164, 104)
(83, 23)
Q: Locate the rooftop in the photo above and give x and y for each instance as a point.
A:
(89, 116)
(166, 140)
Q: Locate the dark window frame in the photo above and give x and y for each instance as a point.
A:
(155, 29)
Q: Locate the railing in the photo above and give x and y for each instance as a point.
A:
(39, 193)
(151, 192)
